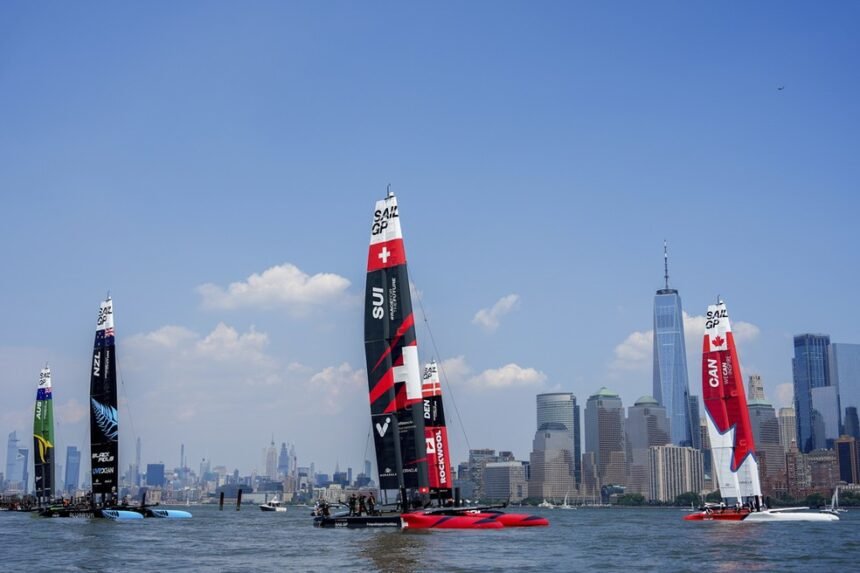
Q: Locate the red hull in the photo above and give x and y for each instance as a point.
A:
(476, 520)
(727, 515)
(429, 521)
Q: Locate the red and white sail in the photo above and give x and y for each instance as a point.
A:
(728, 418)
(436, 434)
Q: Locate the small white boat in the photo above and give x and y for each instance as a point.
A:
(834, 508)
(546, 504)
(273, 504)
(566, 505)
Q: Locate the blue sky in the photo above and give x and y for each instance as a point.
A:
(540, 153)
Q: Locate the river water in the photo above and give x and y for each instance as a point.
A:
(577, 540)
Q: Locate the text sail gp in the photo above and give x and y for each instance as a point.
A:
(393, 371)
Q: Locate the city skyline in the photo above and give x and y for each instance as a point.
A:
(220, 182)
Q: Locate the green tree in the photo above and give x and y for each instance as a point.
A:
(631, 499)
(687, 498)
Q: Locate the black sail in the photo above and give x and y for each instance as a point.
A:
(104, 423)
(393, 369)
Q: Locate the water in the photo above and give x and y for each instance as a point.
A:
(585, 539)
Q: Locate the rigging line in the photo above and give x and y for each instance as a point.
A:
(442, 368)
(127, 403)
(366, 444)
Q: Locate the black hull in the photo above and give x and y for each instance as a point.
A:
(67, 512)
(359, 521)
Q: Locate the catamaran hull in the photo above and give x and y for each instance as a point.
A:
(432, 521)
(358, 521)
(767, 515)
(112, 514)
(166, 513)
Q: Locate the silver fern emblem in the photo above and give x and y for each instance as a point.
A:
(106, 418)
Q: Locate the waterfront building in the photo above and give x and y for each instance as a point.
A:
(551, 463)
(646, 425)
(73, 470)
(810, 367)
(823, 470)
(848, 455)
(674, 470)
(851, 423)
(561, 407)
(478, 458)
(505, 481)
(707, 459)
(766, 435)
(756, 388)
(845, 372)
(693, 405)
(590, 486)
(787, 428)
(796, 472)
(604, 436)
(671, 387)
(17, 476)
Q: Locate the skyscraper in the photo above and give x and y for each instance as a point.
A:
(810, 366)
(284, 461)
(674, 470)
(766, 436)
(604, 436)
(550, 463)
(845, 373)
(561, 407)
(16, 465)
(848, 454)
(851, 423)
(756, 388)
(646, 426)
(271, 460)
(787, 428)
(671, 388)
(73, 470)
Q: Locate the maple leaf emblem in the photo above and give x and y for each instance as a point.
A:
(718, 341)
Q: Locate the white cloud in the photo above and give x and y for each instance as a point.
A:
(636, 351)
(784, 395)
(488, 319)
(282, 286)
(508, 376)
(71, 412)
(331, 385)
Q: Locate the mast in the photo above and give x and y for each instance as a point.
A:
(436, 435)
(43, 439)
(393, 370)
(728, 418)
(104, 422)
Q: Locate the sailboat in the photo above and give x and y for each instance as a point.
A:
(104, 435)
(834, 508)
(43, 440)
(407, 419)
(565, 504)
(730, 433)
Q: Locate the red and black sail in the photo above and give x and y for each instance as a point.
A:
(393, 370)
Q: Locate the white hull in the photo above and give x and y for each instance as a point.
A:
(270, 508)
(790, 514)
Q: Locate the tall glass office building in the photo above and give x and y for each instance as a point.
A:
(671, 388)
(845, 375)
(561, 407)
(811, 370)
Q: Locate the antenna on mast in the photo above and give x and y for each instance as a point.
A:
(388, 193)
(666, 262)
